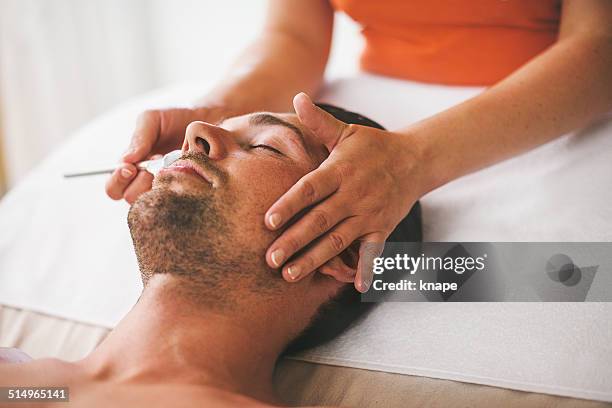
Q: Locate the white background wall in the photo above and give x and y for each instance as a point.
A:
(63, 62)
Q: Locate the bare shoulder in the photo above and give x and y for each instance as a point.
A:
(91, 394)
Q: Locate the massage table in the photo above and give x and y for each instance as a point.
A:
(67, 272)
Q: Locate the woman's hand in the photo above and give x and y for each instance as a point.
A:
(360, 192)
(157, 132)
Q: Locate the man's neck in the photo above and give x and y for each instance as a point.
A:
(165, 338)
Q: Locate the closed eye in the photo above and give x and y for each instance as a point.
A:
(263, 146)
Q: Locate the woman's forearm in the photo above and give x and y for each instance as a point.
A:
(268, 74)
(287, 58)
(563, 89)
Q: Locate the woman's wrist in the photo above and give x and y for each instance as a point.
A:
(216, 113)
(215, 107)
(225, 106)
(419, 162)
(256, 93)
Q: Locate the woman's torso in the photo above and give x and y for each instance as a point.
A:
(461, 42)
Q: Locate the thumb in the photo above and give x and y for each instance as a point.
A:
(324, 126)
(144, 138)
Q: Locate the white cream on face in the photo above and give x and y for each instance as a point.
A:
(154, 166)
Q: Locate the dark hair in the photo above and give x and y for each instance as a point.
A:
(346, 308)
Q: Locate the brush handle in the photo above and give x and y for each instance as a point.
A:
(152, 166)
(141, 166)
(89, 173)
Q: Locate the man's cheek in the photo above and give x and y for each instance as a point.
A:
(268, 181)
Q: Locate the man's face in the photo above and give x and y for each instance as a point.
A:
(203, 218)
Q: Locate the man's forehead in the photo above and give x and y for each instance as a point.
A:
(263, 118)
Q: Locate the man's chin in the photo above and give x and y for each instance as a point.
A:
(170, 208)
(181, 233)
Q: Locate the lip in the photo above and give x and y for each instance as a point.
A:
(188, 166)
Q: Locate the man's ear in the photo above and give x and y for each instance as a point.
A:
(323, 125)
(343, 267)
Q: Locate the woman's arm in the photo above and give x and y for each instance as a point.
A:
(562, 89)
(288, 57)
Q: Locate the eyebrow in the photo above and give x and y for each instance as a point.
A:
(271, 120)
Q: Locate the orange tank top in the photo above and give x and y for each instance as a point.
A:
(457, 42)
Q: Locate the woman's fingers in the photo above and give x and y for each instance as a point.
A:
(162, 130)
(372, 246)
(325, 248)
(128, 182)
(309, 190)
(146, 134)
(312, 225)
(120, 180)
(326, 128)
(141, 184)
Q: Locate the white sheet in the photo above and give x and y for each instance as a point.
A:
(65, 249)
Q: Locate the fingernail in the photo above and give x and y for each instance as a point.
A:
(365, 285)
(278, 256)
(293, 271)
(126, 173)
(274, 220)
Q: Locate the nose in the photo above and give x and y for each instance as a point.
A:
(206, 138)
